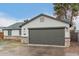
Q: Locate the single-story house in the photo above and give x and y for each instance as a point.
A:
(13, 31)
(46, 30)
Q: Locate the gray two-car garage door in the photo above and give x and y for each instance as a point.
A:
(52, 36)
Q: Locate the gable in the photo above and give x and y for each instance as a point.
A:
(44, 16)
(47, 22)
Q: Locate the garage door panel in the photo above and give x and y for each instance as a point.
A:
(46, 36)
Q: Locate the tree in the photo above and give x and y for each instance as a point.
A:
(66, 10)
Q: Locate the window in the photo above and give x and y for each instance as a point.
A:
(42, 19)
(9, 32)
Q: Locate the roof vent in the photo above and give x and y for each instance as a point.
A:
(26, 20)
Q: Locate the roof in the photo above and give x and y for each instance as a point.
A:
(2, 27)
(14, 26)
(45, 16)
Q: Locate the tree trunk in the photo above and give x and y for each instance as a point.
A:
(71, 19)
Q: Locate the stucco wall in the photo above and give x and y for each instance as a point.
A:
(67, 37)
(67, 32)
(14, 33)
(5, 33)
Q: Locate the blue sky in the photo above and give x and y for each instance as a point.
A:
(22, 11)
(26, 10)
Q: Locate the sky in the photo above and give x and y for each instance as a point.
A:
(16, 12)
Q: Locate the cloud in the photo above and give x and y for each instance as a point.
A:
(6, 20)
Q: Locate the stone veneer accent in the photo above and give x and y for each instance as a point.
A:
(24, 40)
(67, 42)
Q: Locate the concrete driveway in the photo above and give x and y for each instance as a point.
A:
(14, 48)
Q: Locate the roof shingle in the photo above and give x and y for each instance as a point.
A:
(15, 26)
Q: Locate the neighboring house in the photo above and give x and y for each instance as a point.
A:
(44, 29)
(13, 30)
(76, 23)
(1, 29)
(76, 27)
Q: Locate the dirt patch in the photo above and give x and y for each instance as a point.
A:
(14, 48)
(8, 44)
